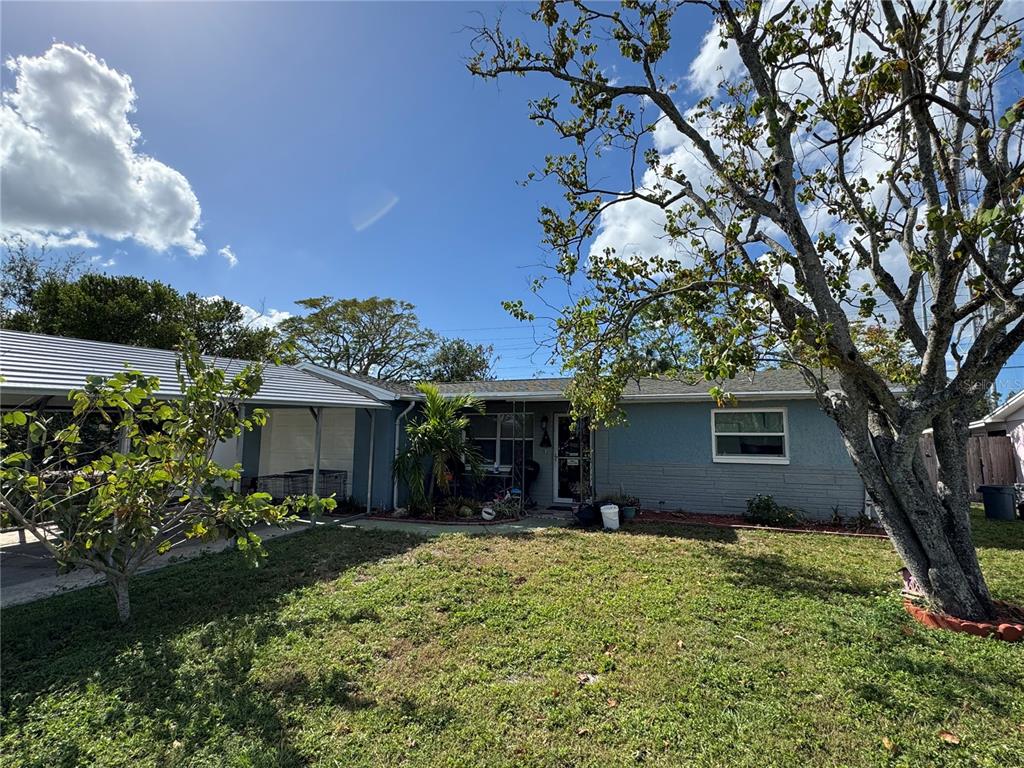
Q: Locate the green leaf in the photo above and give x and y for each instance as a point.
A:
(17, 418)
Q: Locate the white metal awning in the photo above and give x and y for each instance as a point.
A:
(33, 365)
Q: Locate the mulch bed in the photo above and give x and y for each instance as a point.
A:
(434, 521)
(732, 521)
(1008, 624)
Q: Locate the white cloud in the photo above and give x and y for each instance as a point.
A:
(714, 63)
(70, 161)
(99, 261)
(50, 239)
(259, 319)
(265, 319)
(367, 219)
(229, 256)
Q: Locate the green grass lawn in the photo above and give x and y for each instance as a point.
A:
(660, 645)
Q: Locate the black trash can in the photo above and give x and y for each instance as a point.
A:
(1000, 501)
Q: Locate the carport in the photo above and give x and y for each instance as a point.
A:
(309, 443)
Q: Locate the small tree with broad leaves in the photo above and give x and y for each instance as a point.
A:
(114, 508)
(844, 198)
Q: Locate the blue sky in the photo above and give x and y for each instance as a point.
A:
(296, 123)
(336, 148)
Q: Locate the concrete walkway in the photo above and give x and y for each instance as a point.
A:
(437, 529)
(28, 573)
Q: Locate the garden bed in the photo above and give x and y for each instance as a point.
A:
(735, 521)
(443, 520)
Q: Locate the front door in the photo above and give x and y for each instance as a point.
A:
(572, 460)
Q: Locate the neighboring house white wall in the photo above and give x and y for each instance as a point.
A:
(287, 440)
(1015, 431)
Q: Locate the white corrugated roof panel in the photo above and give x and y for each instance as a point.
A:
(53, 365)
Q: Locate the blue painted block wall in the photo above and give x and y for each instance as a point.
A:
(383, 450)
(664, 456)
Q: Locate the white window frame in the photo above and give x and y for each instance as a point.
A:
(497, 438)
(752, 458)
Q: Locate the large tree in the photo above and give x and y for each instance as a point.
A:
(383, 338)
(46, 292)
(850, 161)
(221, 328)
(459, 360)
(373, 337)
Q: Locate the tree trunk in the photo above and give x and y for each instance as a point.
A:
(119, 586)
(930, 530)
(929, 525)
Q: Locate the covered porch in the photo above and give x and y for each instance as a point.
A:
(530, 449)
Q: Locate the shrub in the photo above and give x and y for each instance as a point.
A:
(620, 500)
(763, 509)
(460, 506)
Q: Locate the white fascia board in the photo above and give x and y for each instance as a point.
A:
(1015, 403)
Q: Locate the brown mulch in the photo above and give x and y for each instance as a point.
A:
(443, 521)
(732, 521)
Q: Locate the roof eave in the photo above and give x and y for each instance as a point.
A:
(379, 393)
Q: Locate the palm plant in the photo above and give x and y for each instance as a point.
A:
(437, 436)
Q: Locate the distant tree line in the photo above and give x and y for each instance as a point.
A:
(61, 295)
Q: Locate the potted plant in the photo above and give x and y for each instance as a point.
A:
(628, 506)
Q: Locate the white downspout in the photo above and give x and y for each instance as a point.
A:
(398, 434)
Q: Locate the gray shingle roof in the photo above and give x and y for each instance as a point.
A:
(778, 381)
(33, 364)
(763, 383)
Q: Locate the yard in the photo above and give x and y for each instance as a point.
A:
(661, 645)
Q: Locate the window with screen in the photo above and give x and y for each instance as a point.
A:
(502, 438)
(749, 435)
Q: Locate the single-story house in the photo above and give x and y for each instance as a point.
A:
(678, 449)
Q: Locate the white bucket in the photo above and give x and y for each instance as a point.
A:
(610, 517)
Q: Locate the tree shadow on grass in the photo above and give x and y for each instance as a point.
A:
(950, 671)
(68, 638)
(863, 614)
(785, 578)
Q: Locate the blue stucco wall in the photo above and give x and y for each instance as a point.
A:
(664, 456)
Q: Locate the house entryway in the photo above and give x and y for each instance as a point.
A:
(572, 466)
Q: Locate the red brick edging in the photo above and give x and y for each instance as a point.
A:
(1010, 631)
